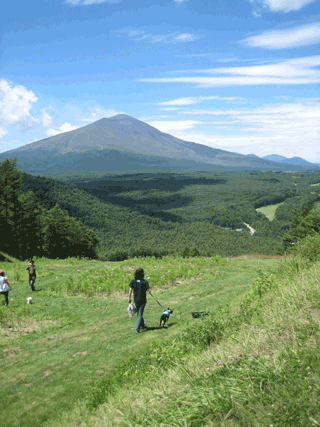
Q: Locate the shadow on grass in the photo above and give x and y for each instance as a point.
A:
(152, 328)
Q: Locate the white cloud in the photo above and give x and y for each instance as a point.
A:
(186, 37)
(284, 5)
(3, 132)
(99, 113)
(46, 119)
(15, 105)
(290, 129)
(139, 34)
(169, 126)
(290, 72)
(66, 127)
(191, 100)
(88, 2)
(283, 39)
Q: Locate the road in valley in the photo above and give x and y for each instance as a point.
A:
(252, 230)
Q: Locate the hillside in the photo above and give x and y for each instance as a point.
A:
(166, 212)
(257, 348)
(123, 143)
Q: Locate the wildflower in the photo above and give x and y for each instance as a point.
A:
(240, 355)
(236, 359)
(219, 363)
(208, 369)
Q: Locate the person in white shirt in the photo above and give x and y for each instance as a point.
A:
(4, 286)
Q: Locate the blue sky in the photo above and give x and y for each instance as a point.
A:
(236, 75)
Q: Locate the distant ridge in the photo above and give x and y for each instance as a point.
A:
(123, 143)
(283, 159)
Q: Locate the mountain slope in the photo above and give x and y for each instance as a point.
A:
(124, 143)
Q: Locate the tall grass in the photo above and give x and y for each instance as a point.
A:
(108, 278)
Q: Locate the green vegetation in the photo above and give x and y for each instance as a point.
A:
(71, 358)
(46, 346)
(167, 212)
(269, 211)
(28, 229)
(254, 358)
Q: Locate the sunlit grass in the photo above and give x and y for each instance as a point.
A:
(266, 373)
(269, 211)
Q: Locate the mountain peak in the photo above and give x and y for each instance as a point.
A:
(121, 117)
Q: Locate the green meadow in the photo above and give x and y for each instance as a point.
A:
(269, 211)
(56, 350)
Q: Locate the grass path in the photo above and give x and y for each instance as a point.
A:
(53, 351)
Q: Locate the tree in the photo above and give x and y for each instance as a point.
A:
(64, 236)
(10, 182)
(306, 220)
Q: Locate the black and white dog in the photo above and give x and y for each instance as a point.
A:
(165, 317)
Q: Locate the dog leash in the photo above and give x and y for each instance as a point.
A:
(157, 302)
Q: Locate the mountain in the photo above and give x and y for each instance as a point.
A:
(252, 155)
(123, 143)
(298, 161)
(275, 158)
(283, 159)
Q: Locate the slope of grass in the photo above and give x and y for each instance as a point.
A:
(269, 211)
(54, 351)
(263, 370)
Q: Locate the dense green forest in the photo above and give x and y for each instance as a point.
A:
(115, 217)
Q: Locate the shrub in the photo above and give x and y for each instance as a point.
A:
(309, 248)
(194, 252)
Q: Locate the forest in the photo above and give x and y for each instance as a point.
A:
(118, 217)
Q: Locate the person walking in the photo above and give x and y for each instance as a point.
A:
(139, 287)
(32, 274)
(4, 286)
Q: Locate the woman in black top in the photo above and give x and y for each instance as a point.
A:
(32, 274)
(139, 286)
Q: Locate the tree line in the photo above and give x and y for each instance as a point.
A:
(28, 229)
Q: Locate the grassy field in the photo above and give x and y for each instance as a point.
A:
(269, 211)
(54, 351)
(263, 370)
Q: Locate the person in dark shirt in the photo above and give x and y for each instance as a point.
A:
(32, 274)
(139, 287)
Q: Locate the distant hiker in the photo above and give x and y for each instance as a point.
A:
(32, 274)
(139, 286)
(4, 286)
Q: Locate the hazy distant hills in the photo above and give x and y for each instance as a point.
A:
(122, 143)
(283, 159)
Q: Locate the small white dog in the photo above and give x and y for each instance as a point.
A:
(29, 300)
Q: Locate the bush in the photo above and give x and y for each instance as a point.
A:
(194, 252)
(186, 252)
(309, 248)
(117, 256)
